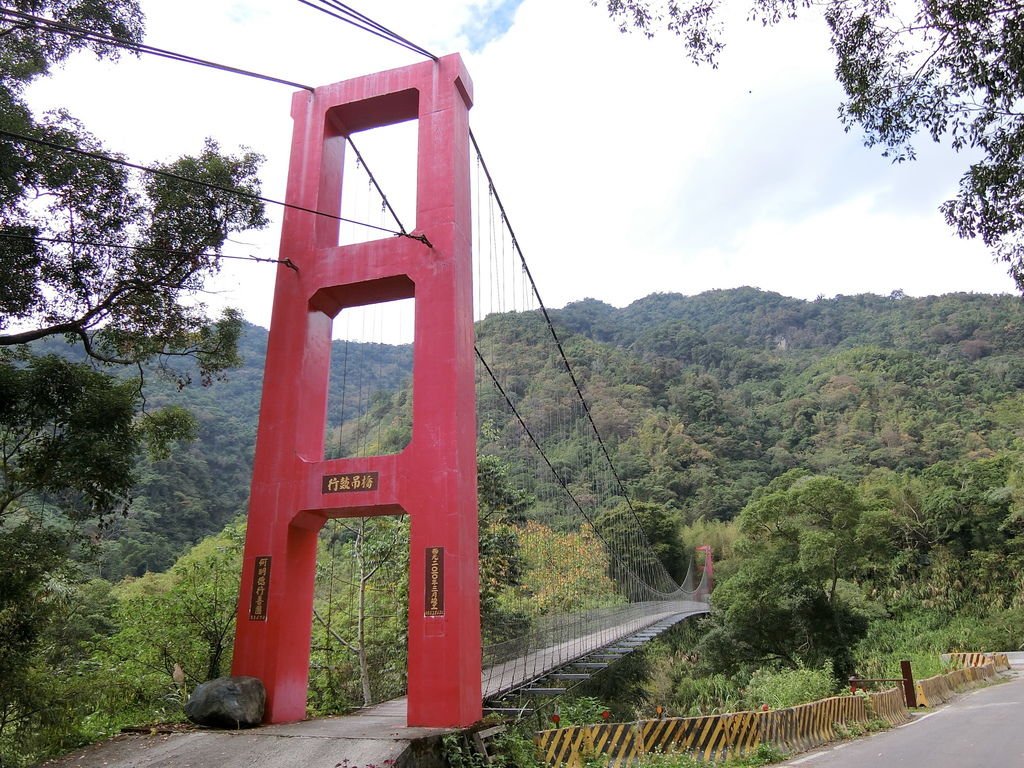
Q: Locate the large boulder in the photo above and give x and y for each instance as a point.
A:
(228, 702)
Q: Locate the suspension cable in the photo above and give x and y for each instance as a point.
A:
(349, 15)
(554, 334)
(62, 28)
(209, 185)
(145, 248)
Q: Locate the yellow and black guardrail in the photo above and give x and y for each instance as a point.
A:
(940, 688)
(1000, 660)
(715, 737)
(794, 729)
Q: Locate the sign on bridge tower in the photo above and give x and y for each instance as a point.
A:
(433, 480)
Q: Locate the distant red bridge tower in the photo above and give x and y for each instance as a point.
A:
(433, 480)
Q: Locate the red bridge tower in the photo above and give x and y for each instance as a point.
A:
(433, 480)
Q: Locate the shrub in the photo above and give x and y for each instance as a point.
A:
(789, 687)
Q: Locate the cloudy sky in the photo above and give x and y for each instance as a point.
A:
(625, 169)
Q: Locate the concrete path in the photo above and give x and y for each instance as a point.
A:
(372, 736)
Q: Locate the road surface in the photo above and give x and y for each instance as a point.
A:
(979, 729)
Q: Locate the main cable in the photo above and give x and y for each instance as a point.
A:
(49, 25)
(557, 340)
(146, 249)
(613, 551)
(349, 15)
(209, 185)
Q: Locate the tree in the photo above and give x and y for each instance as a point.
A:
(108, 259)
(660, 527)
(564, 572)
(801, 537)
(358, 654)
(92, 250)
(183, 618)
(946, 68)
(502, 510)
(69, 435)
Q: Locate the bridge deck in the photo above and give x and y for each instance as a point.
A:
(508, 675)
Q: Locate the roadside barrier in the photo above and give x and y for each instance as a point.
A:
(711, 737)
(890, 706)
(806, 726)
(1000, 660)
(715, 737)
(940, 688)
(795, 729)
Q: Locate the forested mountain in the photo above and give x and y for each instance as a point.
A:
(866, 452)
(701, 399)
(204, 484)
(724, 390)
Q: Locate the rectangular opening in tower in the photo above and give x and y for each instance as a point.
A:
(379, 183)
(360, 613)
(369, 404)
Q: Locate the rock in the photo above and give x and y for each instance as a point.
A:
(228, 702)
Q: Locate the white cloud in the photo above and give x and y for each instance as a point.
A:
(625, 169)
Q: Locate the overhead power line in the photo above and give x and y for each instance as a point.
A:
(168, 174)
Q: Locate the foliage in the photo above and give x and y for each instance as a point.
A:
(107, 658)
(502, 509)
(67, 432)
(718, 534)
(109, 261)
(515, 748)
(563, 572)
(945, 68)
(661, 530)
(909, 501)
(184, 618)
(580, 710)
(621, 686)
(56, 702)
(358, 653)
(28, 555)
(789, 687)
(807, 533)
(763, 754)
(681, 682)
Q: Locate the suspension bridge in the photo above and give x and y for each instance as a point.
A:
(476, 643)
(621, 594)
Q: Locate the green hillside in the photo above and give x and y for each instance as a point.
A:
(702, 399)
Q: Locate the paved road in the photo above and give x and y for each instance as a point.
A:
(980, 729)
